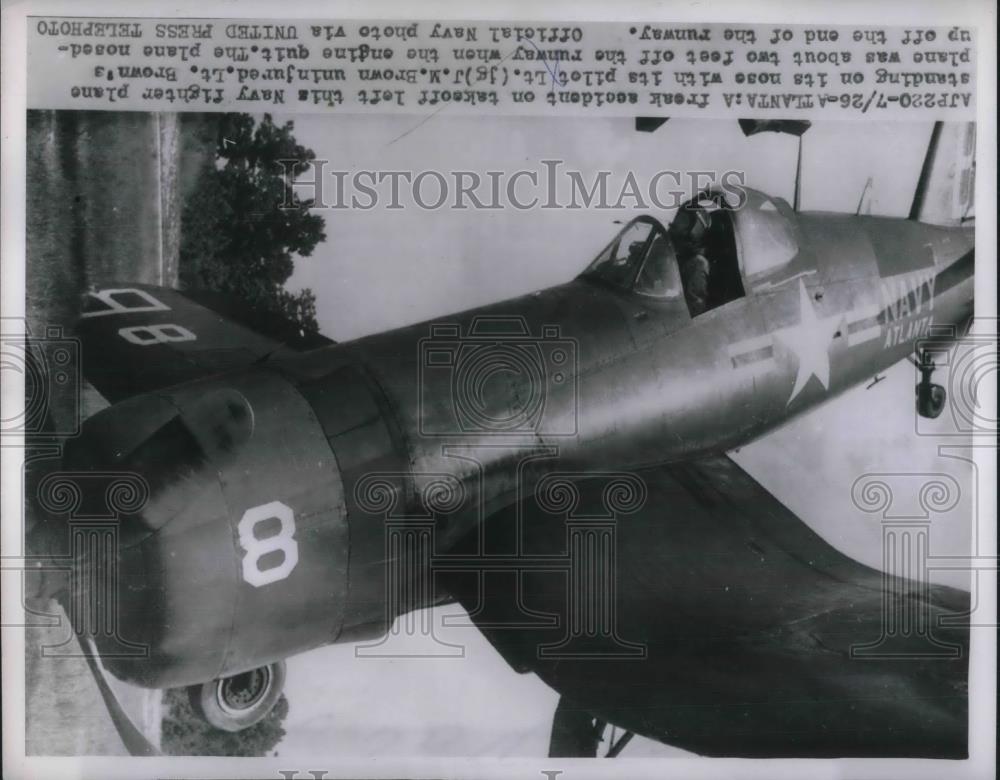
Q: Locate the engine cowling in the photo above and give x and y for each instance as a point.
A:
(237, 554)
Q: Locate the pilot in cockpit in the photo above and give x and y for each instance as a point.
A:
(688, 231)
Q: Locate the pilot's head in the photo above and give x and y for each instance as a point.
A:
(634, 250)
(689, 228)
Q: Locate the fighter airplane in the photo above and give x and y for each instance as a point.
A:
(555, 463)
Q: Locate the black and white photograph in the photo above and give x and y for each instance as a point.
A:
(453, 441)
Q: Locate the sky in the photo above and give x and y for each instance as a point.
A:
(413, 264)
(384, 268)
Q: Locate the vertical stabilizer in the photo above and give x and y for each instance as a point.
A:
(947, 183)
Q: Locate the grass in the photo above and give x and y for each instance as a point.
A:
(65, 715)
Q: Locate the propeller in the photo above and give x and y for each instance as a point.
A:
(133, 739)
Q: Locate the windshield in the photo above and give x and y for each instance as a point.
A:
(640, 258)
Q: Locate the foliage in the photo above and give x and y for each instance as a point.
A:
(184, 733)
(299, 308)
(244, 222)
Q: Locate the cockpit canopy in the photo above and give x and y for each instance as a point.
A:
(641, 258)
(767, 235)
(695, 259)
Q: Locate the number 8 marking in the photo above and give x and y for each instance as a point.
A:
(144, 335)
(256, 548)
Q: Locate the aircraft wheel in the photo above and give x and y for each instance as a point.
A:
(240, 701)
(930, 400)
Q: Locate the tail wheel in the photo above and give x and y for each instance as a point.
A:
(240, 701)
(578, 734)
(930, 400)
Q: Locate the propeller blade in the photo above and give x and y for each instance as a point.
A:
(791, 126)
(647, 124)
(134, 740)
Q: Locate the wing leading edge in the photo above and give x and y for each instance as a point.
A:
(726, 626)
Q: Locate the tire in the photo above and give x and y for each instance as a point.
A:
(930, 400)
(240, 701)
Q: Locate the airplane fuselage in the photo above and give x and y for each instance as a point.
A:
(435, 426)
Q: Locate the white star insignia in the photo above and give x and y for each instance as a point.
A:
(810, 341)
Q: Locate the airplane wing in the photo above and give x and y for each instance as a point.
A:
(724, 626)
(137, 338)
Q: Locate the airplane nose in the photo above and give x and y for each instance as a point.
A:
(232, 550)
(169, 585)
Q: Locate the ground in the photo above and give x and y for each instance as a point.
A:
(102, 205)
(65, 712)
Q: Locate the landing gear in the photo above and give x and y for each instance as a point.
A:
(930, 397)
(241, 701)
(577, 734)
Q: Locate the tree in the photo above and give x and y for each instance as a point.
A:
(244, 222)
(300, 307)
(185, 734)
(264, 145)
